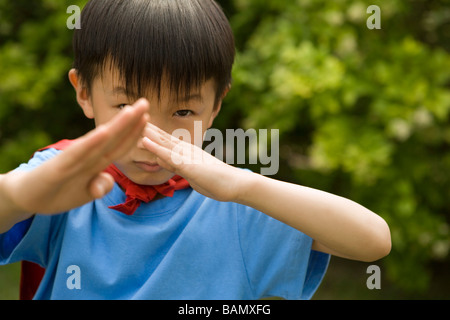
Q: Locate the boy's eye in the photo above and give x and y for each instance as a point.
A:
(183, 113)
(121, 106)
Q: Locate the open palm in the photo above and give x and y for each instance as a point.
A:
(76, 176)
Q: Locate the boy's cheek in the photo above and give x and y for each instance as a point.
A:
(103, 117)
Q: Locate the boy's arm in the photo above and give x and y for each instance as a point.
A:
(338, 226)
(10, 214)
(75, 176)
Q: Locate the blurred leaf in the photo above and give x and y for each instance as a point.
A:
(364, 113)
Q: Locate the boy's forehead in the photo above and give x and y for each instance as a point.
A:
(114, 85)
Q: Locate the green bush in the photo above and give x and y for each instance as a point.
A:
(363, 113)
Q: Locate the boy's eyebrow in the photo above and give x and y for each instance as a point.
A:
(191, 97)
(121, 90)
(187, 98)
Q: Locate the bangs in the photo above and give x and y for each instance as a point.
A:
(153, 43)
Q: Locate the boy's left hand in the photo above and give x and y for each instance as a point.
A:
(204, 172)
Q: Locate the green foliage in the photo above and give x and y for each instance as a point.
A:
(361, 113)
(364, 113)
(37, 104)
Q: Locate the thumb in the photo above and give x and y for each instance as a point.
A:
(101, 185)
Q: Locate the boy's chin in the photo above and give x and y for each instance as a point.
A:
(152, 179)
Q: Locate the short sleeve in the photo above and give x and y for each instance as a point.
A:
(38, 158)
(31, 240)
(278, 258)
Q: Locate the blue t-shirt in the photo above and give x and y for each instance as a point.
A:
(185, 247)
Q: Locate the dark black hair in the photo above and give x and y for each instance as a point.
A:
(183, 42)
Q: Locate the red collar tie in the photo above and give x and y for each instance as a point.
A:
(136, 194)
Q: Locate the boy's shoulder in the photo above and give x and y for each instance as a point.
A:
(38, 158)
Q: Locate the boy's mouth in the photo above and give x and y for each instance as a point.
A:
(147, 166)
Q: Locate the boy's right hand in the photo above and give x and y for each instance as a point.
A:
(75, 176)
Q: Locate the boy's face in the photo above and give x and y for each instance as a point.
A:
(108, 97)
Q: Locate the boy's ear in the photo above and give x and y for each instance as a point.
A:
(82, 95)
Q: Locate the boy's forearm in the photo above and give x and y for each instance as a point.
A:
(10, 213)
(337, 225)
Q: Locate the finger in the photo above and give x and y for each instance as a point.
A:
(101, 185)
(120, 126)
(107, 141)
(123, 130)
(100, 140)
(129, 140)
(160, 136)
(181, 151)
(109, 136)
(165, 156)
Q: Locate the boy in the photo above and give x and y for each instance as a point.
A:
(230, 234)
